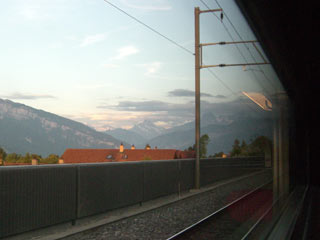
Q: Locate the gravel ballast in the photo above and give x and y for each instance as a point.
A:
(165, 221)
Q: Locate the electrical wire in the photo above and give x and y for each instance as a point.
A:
(237, 47)
(150, 28)
(215, 75)
(236, 31)
(209, 8)
(173, 42)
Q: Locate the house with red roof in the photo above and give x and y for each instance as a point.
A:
(122, 155)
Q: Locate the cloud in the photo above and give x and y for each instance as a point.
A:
(189, 93)
(71, 38)
(56, 45)
(28, 96)
(126, 119)
(159, 5)
(157, 111)
(182, 93)
(127, 113)
(30, 12)
(92, 39)
(139, 106)
(92, 86)
(103, 120)
(220, 96)
(153, 67)
(185, 110)
(125, 52)
(110, 65)
(163, 124)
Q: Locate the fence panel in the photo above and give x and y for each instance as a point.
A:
(186, 177)
(107, 186)
(160, 178)
(32, 197)
(213, 170)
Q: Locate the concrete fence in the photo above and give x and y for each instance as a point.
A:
(33, 197)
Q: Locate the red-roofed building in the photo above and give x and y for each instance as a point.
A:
(122, 155)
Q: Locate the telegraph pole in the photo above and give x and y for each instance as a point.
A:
(197, 95)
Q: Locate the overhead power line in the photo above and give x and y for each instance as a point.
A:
(174, 42)
(209, 8)
(150, 28)
(218, 78)
(237, 32)
(199, 63)
(237, 47)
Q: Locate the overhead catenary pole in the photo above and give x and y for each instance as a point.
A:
(197, 90)
(198, 67)
(197, 96)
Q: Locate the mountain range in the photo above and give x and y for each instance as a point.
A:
(221, 136)
(25, 129)
(222, 129)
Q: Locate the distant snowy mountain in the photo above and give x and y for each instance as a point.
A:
(230, 121)
(108, 128)
(224, 123)
(25, 129)
(128, 136)
(147, 129)
(222, 136)
(205, 119)
(139, 135)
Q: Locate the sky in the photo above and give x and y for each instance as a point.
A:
(87, 61)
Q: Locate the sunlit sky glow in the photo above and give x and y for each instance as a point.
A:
(89, 62)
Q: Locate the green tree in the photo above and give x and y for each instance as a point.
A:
(236, 149)
(190, 149)
(260, 146)
(13, 157)
(25, 159)
(204, 140)
(36, 156)
(51, 159)
(244, 149)
(3, 154)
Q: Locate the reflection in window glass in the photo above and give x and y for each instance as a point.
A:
(119, 81)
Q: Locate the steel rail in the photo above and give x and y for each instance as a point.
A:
(262, 217)
(218, 211)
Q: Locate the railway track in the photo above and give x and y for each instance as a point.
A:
(164, 221)
(235, 220)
